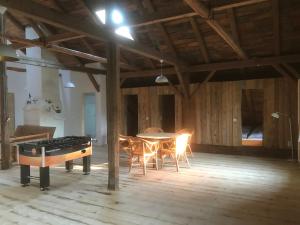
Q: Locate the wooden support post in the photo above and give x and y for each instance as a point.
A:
(113, 113)
(5, 147)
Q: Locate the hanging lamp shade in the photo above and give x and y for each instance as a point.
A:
(7, 53)
(69, 84)
(161, 78)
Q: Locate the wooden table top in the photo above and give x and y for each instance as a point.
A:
(157, 135)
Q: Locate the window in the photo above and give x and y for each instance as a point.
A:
(118, 19)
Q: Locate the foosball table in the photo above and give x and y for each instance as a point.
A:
(44, 154)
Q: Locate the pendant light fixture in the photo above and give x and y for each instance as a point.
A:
(161, 78)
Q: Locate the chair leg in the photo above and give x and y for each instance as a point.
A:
(130, 164)
(177, 163)
(187, 160)
(190, 150)
(144, 165)
(156, 161)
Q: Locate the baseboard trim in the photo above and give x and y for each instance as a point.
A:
(243, 150)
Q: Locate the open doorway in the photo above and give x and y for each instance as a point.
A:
(252, 117)
(131, 113)
(90, 115)
(167, 112)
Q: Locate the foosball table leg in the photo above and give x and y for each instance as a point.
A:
(69, 165)
(44, 178)
(25, 175)
(86, 165)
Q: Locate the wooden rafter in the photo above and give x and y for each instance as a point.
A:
(67, 51)
(267, 61)
(204, 12)
(171, 47)
(291, 70)
(161, 17)
(276, 28)
(207, 79)
(233, 25)
(200, 39)
(67, 36)
(282, 71)
(94, 82)
(15, 22)
(41, 13)
(236, 4)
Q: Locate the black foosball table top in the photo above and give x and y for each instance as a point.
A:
(69, 143)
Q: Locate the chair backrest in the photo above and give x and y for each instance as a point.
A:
(150, 146)
(135, 145)
(181, 143)
(25, 130)
(153, 130)
(188, 131)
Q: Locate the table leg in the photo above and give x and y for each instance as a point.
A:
(44, 178)
(86, 165)
(25, 175)
(69, 165)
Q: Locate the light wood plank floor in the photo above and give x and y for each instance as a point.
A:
(218, 189)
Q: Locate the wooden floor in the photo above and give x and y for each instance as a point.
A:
(218, 189)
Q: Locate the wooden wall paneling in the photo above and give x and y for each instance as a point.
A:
(216, 110)
(155, 111)
(178, 112)
(270, 125)
(143, 109)
(236, 113)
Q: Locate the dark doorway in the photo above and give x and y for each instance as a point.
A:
(131, 112)
(252, 117)
(167, 110)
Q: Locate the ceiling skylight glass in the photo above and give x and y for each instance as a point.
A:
(118, 19)
(101, 15)
(124, 32)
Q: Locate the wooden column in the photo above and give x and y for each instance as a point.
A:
(5, 147)
(113, 113)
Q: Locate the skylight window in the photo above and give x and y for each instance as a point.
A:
(118, 19)
(101, 15)
(124, 32)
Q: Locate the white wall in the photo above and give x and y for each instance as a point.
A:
(73, 104)
(16, 83)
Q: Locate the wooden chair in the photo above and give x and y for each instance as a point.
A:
(190, 132)
(124, 143)
(141, 152)
(176, 150)
(153, 130)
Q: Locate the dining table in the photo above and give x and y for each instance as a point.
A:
(157, 136)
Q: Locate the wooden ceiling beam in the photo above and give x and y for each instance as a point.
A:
(238, 64)
(161, 17)
(94, 82)
(15, 22)
(67, 36)
(203, 11)
(280, 70)
(276, 26)
(182, 80)
(291, 70)
(60, 49)
(199, 37)
(236, 4)
(33, 10)
(233, 25)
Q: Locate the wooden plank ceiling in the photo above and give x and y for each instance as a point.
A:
(200, 40)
